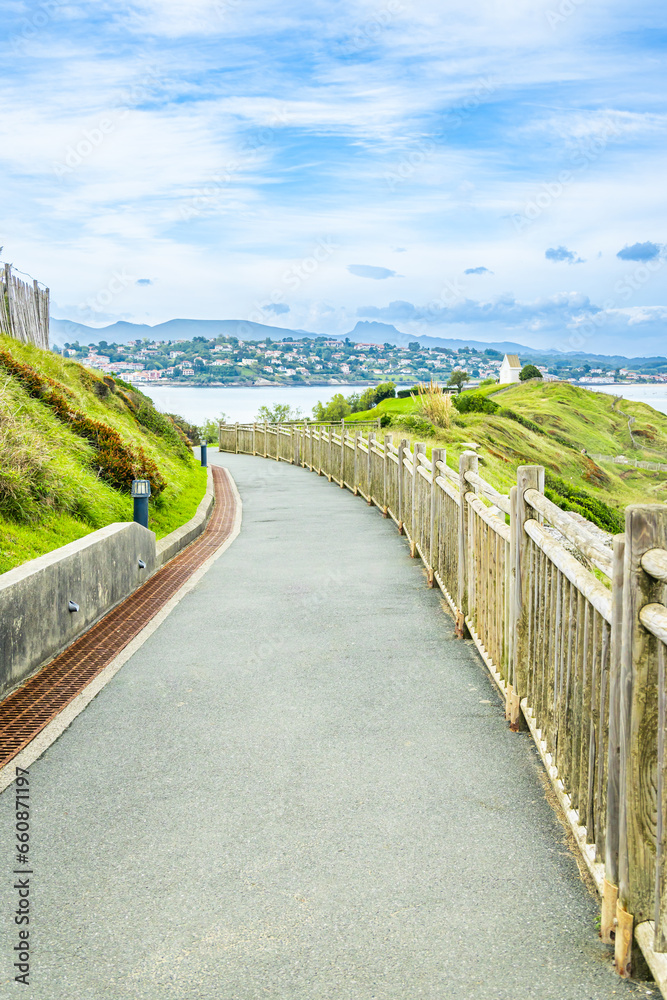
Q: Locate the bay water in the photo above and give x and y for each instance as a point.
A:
(241, 403)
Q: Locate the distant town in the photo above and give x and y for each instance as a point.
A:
(228, 361)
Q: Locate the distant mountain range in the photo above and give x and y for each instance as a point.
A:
(365, 332)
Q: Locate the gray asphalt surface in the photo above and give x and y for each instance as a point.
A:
(302, 786)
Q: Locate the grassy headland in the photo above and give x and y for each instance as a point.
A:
(70, 444)
(550, 424)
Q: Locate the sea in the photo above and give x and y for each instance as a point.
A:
(241, 403)
(643, 392)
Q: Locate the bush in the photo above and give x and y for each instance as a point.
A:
(340, 407)
(419, 425)
(279, 413)
(406, 393)
(474, 402)
(370, 397)
(118, 462)
(209, 431)
(529, 371)
(569, 497)
(337, 409)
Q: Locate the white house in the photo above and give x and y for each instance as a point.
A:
(510, 369)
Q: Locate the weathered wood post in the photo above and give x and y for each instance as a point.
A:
(329, 453)
(437, 455)
(419, 449)
(236, 446)
(254, 439)
(610, 889)
(467, 463)
(355, 484)
(645, 529)
(388, 439)
(401, 451)
(529, 477)
(342, 453)
(266, 438)
(371, 446)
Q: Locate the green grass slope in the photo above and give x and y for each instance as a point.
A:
(550, 424)
(70, 444)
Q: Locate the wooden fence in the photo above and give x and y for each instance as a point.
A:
(24, 309)
(570, 621)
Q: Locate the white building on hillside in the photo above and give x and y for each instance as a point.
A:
(510, 369)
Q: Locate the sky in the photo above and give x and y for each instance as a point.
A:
(462, 168)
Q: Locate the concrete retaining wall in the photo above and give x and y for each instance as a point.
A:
(172, 544)
(96, 572)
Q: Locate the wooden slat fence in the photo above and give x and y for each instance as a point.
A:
(24, 309)
(570, 621)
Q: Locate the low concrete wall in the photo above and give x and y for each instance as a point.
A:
(171, 544)
(96, 572)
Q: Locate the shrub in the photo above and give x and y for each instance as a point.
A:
(337, 409)
(370, 397)
(474, 402)
(419, 425)
(529, 371)
(161, 424)
(119, 463)
(406, 393)
(575, 498)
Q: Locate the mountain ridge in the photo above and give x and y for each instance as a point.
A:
(366, 331)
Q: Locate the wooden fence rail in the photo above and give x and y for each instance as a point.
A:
(570, 621)
(24, 309)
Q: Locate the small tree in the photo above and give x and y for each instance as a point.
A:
(414, 345)
(208, 431)
(458, 378)
(529, 371)
(279, 413)
(337, 409)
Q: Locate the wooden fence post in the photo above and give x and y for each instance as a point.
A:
(236, 446)
(419, 449)
(401, 450)
(645, 528)
(342, 454)
(467, 463)
(610, 889)
(355, 476)
(254, 439)
(388, 439)
(529, 477)
(371, 445)
(437, 455)
(329, 453)
(266, 436)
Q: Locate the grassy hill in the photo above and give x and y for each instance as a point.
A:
(71, 442)
(549, 424)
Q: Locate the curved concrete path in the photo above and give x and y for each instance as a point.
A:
(302, 786)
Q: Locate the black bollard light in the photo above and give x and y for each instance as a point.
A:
(141, 490)
(204, 453)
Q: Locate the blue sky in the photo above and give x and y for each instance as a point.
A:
(459, 169)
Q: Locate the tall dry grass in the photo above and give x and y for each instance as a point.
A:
(435, 404)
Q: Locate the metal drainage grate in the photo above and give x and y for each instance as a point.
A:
(30, 708)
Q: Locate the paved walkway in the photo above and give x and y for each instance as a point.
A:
(302, 786)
